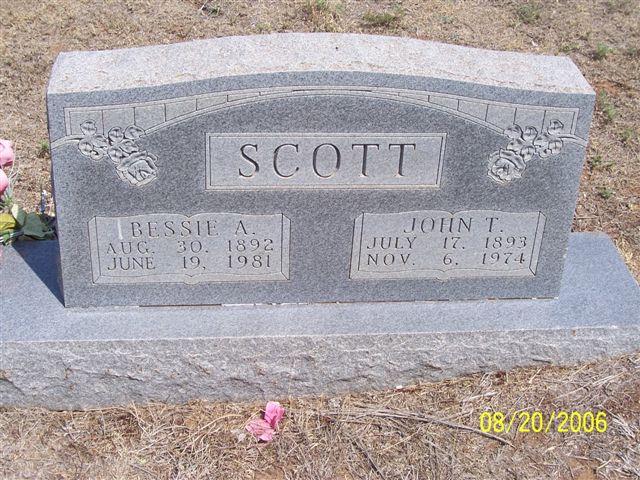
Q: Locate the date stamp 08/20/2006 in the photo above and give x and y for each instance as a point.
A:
(560, 421)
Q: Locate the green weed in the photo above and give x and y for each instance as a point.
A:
(607, 107)
(602, 51)
(382, 19)
(605, 192)
(529, 13)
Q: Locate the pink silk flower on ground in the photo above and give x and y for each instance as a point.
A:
(264, 428)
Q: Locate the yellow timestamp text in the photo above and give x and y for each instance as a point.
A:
(541, 422)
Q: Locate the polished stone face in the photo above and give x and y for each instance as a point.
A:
(292, 184)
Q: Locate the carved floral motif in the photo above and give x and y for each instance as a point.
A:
(509, 163)
(132, 165)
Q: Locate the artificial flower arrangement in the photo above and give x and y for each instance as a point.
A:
(14, 221)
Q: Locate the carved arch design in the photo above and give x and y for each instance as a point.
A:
(109, 121)
(156, 115)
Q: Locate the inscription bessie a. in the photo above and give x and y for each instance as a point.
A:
(438, 244)
(208, 247)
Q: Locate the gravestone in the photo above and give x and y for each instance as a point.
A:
(359, 176)
(238, 175)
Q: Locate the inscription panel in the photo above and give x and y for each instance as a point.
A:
(323, 160)
(207, 247)
(439, 244)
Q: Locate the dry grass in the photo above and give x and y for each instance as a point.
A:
(602, 37)
(338, 437)
(426, 431)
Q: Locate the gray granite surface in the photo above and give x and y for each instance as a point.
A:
(302, 52)
(349, 169)
(84, 357)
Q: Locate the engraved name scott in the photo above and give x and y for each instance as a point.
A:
(323, 160)
(208, 247)
(438, 244)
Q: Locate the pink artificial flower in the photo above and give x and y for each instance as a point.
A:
(264, 428)
(260, 429)
(6, 153)
(273, 413)
(4, 182)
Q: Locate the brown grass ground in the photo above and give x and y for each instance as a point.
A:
(602, 37)
(198, 440)
(396, 434)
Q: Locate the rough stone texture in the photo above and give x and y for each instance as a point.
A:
(147, 131)
(78, 358)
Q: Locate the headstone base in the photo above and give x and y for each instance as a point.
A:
(79, 358)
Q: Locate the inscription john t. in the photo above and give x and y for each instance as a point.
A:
(436, 244)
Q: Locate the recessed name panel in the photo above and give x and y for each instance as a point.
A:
(438, 244)
(323, 160)
(207, 247)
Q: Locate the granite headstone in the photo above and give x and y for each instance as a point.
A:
(313, 168)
